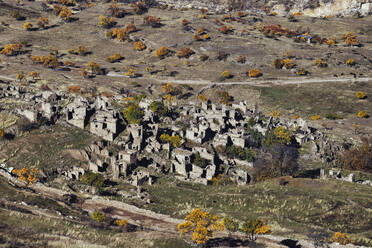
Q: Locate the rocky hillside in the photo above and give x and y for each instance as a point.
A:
(315, 8)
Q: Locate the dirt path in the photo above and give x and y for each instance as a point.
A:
(273, 82)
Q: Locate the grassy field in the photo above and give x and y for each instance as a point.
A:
(308, 100)
(44, 148)
(298, 208)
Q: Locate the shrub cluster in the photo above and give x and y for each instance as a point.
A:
(152, 21)
(114, 58)
(185, 53)
(254, 73)
(12, 49)
(162, 52)
(81, 50)
(49, 61)
(95, 68)
(106, 22)
(139, 46)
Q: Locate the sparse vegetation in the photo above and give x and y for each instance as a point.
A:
(162, 52)
(42, 22)
(106, 22)
(98, 216)
(185, 53)
(12, 49)
(254, 73)
(95, 68)
(340, 238)
(49, 61)
(176, 141)
(81, 50)
(27, 26)
(114, 58)
(139, 46)
(93, 179)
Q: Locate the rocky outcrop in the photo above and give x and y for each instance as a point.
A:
(315, 8)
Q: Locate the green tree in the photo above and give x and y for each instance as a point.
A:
(92, 179)
(199, 161)
(159, 108)
(133, 113)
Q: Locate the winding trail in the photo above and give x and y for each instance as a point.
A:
(271, 82)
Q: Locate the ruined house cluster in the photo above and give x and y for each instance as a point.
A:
(140, 150)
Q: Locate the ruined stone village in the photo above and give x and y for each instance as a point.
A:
(207, 127)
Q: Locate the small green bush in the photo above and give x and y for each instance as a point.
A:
(92, 179)
(98, 216)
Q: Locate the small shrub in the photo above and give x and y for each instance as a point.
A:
(49, 61)
(302, 72)
(64, 13)
(12, 49)
(350, 62)
(241, 59)
(80, 51)
(287, 63)
(139, 46)
(275, 113)
(202, 98)
(350, 39)
(176, 140)
(106, 22)
(121, 223)
(131, 73)
(360, 95)
(42, 22)
(27, 26)
(98, 216)
(185, 53)
(254, 73)
(333, 116)
(116, 11)
(114, 58)
(74, 89)
(162, 52)
(298, 14)
(95, 68)
(226, 30)
(226, 74)
(282, 135)
(320, 63)
(119, 34)
(340, 238)
(159, 108)
(28, 176)
(130, 28)
(315, 117)
(254, 227)
(152, 21)
(362, 114)
(139, 7)
(331, 42)
(34, 74)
